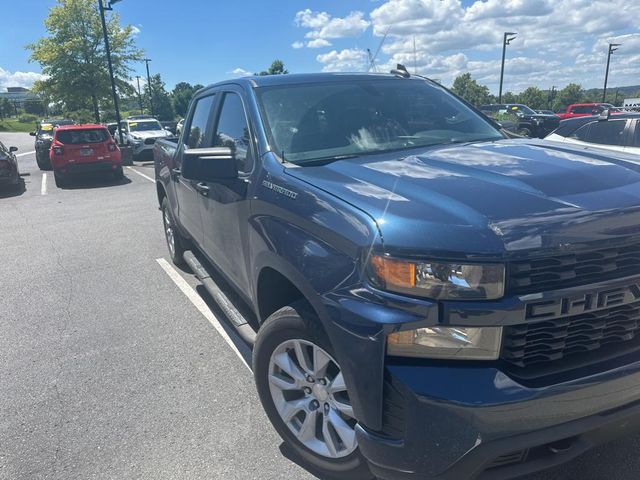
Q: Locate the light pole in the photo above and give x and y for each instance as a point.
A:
(139, 95)
(108, 50)
(147, 60)
(506, 41)
(612, 48)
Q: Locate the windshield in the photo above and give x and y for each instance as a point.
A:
(521, 109)
(336, 119)
(144, 126)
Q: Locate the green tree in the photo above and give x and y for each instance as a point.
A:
(534, 97)
(276, 68)
(161, 100)
(34, 107)
(6, 108)
(181, 96)
(74, 58)
(572, 93)
(509, 97)
(469, 89)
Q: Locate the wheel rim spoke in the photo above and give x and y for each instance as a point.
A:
(291, 409)
(308, 428)
(337, 384)
(344, 431)
(344, 408)
(328, 439)
(320, 362)
(284, 362)
(303, 357)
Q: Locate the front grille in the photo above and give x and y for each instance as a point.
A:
(595, 335)
(562, 271)
(150, 141)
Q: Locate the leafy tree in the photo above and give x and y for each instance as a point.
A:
(509, 97)
(34, 107)
(276, 68)
(534, 98)
(181, 96)
(572, 93)
(6, 108)
(469, 89)
(162, 106)
(74, 58)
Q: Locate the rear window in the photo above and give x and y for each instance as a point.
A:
(74, 137)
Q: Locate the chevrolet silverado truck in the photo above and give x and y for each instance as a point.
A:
(432, 299)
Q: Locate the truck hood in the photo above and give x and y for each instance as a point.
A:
(489, 199)
(150, 134)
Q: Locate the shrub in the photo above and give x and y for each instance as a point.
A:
(27, 119)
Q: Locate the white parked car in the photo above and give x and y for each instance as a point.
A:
(620, 132)
(141, 133)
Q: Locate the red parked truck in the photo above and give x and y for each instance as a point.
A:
(78, 149)
(586, 110)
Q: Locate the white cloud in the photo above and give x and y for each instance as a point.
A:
(18, 79)
(347, 60)
(318, 43)
(135, 30)
(297, 45)
(240, 72)
(323, 26)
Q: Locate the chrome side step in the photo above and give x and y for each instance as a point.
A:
(245, 331)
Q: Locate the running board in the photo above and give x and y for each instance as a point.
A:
(238, 322)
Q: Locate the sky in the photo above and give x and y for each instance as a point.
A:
(204, 41)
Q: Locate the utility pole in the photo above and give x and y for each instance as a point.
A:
(552, 93)
(612, 48)
(147, 60)
(139, 96)
(506, 41)
(108, 50)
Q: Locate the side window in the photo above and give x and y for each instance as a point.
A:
(607, 133)
(200, 123)
(582, 133)
(233, 131)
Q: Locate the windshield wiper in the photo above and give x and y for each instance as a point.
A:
(326, 160)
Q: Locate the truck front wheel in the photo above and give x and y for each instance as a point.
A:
(175, 241)
(303, 392)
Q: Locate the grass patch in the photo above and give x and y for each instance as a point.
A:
(13, 125)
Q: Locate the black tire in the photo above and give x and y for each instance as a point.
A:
(525, 132)
(61, 180)
(118, 173)
(43, 163)
(180, 244)
(298, 322)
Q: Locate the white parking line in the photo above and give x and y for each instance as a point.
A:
(43, 189)
(25, 153)
(200, 304)
(141, 174)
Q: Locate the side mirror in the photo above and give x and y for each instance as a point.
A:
(33, 134)
(604, 115)
(168, 129)
(209, 164)
(13, 149)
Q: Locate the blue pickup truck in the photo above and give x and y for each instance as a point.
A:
(433, 299)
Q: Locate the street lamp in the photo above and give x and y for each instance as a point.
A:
(108, 50)
(147, 60)
(508, 37)
(139, 95)
(612, 48)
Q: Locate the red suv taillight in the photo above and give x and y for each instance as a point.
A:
(58, 150)
(112, 147)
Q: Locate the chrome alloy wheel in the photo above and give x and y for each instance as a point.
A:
(310, 395)
(169, 233)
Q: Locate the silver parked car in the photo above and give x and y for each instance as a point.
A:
(141, 133)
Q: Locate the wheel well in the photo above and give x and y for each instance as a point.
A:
(274, 292)
(161, 193)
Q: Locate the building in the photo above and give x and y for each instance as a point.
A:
(631, 103)
(17, 96)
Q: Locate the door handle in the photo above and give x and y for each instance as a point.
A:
(175, 173)
(203, 189)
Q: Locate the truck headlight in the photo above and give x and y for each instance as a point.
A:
(447, 343)
(438, 280)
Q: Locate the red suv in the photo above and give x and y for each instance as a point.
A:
(84, 148)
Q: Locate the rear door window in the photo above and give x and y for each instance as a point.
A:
(77, 137)
(582, 133)
(607, 133)
(200, 123)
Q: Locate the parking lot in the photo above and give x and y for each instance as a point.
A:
(114, 364)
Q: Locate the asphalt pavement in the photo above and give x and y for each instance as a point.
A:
(115, 365)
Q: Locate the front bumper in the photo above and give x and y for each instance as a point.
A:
(464, 423)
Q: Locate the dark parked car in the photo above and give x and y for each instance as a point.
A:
(9, 173)
(530, 123)
(44, 136)
(619, 132)
(546, 112)
(432, 299)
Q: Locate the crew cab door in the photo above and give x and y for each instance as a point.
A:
(197, 134)
(634, 144)
(224, 205)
